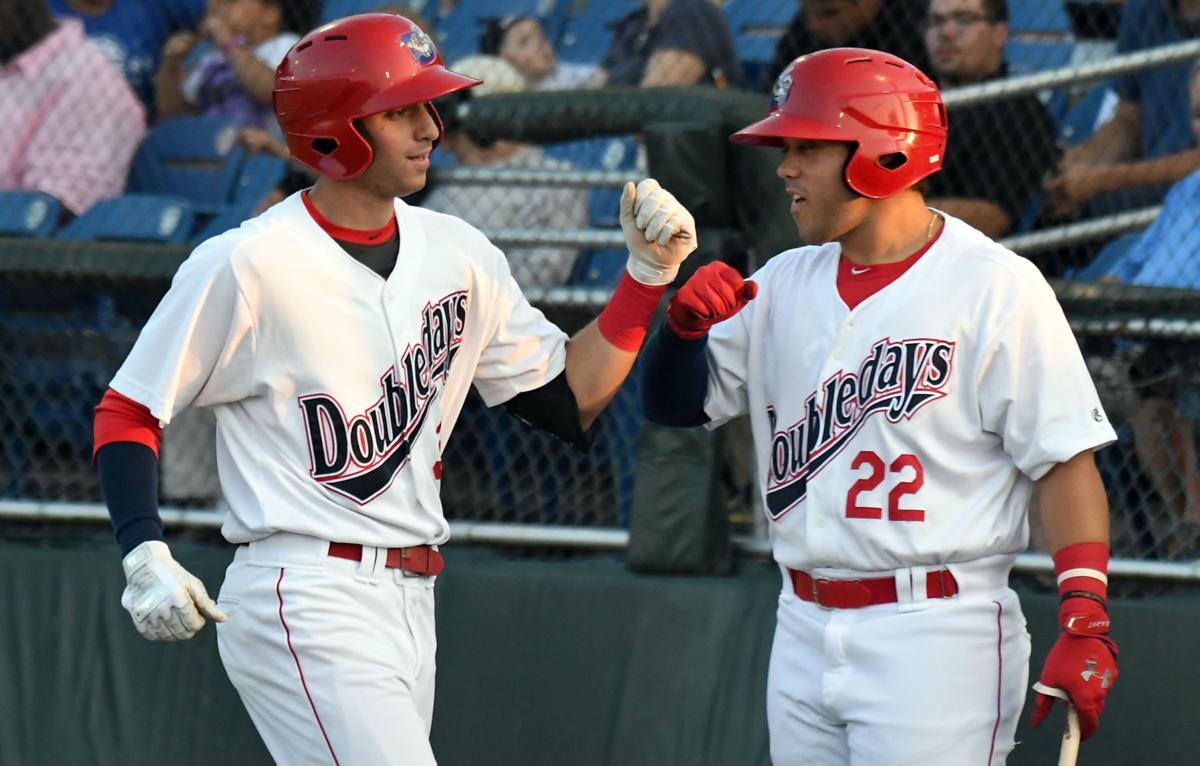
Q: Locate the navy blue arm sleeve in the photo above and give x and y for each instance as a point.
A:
(674, 380)
(129, 480)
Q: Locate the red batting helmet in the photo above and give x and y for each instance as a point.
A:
(885, 106)
(350, 68)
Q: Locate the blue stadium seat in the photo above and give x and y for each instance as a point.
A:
(260, 174)
(134, 217)
(197, 158)
(336, 9)
(1038, 17)
(1026, 57)
(757, 27)
(587, 33)
(229, 218)
(608, 153)
(598, 268)
(1080, 120)
(459, 31)
(28, 214)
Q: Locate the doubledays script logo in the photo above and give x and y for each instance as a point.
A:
(896, 379)
(359, 457)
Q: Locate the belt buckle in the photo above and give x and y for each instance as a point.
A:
(408, 573)
(816, 595)
(944, 580)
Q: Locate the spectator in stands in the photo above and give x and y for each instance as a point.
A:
(234, 79)
(671, 42)
(992, 170)
(1167, 377)
(132, 32)
(1148, 144)
(893, 26)
(71, 121)
(522, 42)
(491, 205)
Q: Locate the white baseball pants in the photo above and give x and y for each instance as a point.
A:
(942, 685)
(333, 659)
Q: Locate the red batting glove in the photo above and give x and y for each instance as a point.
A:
(714, 293)
(1082, 663)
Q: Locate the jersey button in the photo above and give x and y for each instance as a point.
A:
(820, 523)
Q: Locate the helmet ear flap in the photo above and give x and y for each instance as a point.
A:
(344, 156)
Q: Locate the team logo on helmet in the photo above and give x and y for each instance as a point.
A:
(783, 86)
(420, 46)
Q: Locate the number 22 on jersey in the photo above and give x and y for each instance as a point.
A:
(905, 476)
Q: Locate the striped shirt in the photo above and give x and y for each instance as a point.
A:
(71, 122)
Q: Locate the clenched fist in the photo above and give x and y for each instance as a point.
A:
(714, 293)
(659, 232)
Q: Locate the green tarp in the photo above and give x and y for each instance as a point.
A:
(554, 661)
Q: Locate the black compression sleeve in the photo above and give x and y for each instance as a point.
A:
(552, 408)
(129, 480)
(674, 380)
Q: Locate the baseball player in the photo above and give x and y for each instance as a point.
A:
(909, 383)
(336, 336)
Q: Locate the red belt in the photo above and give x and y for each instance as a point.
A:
(853, 594)
(420, 559)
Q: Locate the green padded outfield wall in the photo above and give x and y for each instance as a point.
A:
(570, 662)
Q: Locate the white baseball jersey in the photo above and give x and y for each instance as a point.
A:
(335, 390)
(909, 430)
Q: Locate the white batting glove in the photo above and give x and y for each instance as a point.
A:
(166, 602)
(659, 232)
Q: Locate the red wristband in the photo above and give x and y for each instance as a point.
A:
(1082, 567)
(626, 318)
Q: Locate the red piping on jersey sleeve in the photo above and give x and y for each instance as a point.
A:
(121, 419)
(356, 236)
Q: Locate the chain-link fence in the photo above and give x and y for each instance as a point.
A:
(1071, 139)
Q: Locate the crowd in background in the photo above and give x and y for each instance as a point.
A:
(1007, 170)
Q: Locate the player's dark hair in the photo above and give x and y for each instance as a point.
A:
(995, 10)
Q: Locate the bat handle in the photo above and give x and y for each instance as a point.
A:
(1070, 739)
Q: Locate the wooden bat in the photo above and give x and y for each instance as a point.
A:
(1070, 739)
(1069, 751)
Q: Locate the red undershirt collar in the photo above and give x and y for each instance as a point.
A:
(856, 283)
(356, 236)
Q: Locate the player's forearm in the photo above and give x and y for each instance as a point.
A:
(674, 380)
(129, 480)
(1073, 503)
(595, 371)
